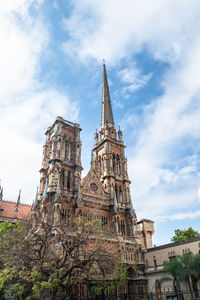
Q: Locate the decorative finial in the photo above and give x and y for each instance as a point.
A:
(36, 197)
(120, 134)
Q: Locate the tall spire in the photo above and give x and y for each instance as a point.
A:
(19, 198)
(18, 201)
(106, 111)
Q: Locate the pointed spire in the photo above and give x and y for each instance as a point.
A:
(79, 193)
(92, 157)
(45, 196)
(131, 207)
(36, 198)
(18, 201)
(19, 197)
(106, 111)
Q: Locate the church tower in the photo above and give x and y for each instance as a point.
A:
(110, 163)
(60, 174)
(103, 194)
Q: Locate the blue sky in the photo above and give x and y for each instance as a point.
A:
(51, 64)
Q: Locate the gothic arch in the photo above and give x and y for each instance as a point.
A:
(118, 165)
(131, 273)
(69, 180)
(113, 161)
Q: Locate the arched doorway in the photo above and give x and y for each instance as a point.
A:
(131, 287)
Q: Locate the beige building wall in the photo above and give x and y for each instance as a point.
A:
(155, 257)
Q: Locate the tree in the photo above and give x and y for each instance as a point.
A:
(183, 235)
(55, 259)
(184, 268)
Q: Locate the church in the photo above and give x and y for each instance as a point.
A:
(104, 193)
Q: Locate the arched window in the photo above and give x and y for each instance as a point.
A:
(131, 273)
(113, 161)
(155, 262)
(66, 149)
(63, 178)
(116, 193)
(68, 180)
(118, 165)
(100, 163)
(69, 151)
(123, 232)
(121, 196)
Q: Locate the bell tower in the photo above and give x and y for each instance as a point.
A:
(110, 162)
(60, 173)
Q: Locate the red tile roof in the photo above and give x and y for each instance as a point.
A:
(9, 211)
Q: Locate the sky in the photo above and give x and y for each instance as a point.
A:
(51, 65)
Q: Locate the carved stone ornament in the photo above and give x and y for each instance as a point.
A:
(93, 187)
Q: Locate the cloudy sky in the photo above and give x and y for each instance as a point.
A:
(51, 64)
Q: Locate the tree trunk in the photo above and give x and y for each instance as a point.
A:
(191, 285)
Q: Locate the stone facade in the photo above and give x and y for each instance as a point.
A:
(104, 193)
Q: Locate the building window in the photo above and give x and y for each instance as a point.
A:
(100, 163)
(104, 221)
(171, 255)
(120, 196)
(155, 262)
(123, 231)
(114, 162)
(118, 165)
(116, 193)
(63, 178)
(66, 149)
(68, 180)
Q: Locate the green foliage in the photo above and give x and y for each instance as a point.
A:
(35, 261)
(183, 235)
(16, 290)
(35, 275)
(185, 268)
(176, 268)
(120, 277)
(97, 289)
(5, 226)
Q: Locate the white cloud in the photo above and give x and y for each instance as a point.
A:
(187, 215)
(170, 132)
(115, 29)
(133, 78)
(27, 105)
(163, 164)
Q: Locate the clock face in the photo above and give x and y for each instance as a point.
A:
(93, 187)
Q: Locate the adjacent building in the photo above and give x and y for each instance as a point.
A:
(13, 211)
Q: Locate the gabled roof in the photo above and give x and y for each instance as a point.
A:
(91, 185)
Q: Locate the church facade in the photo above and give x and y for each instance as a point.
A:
(104, 193)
